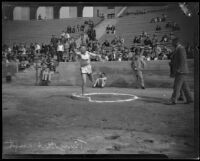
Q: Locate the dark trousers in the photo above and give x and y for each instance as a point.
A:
(181, 86)
(59, 56)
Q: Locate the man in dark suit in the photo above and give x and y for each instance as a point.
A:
(182, 96)
(179, 71)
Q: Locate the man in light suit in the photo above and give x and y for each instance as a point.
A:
(138, 65)
(179, 71)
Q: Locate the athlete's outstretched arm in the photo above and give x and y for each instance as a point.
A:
(95, 55)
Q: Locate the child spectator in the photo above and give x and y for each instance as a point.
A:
(100, 81)
(44, 74)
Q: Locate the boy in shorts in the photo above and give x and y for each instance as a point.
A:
(101, 81)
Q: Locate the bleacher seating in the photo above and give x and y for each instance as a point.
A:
(38, 31)
(131, 25)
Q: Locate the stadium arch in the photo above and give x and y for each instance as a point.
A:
(45, 12)
(64, 12)
(88, 11)
(21, 13)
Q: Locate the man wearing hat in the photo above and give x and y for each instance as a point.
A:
(180, 70)
(137, 65)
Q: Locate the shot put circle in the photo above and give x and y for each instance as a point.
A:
(87, 97)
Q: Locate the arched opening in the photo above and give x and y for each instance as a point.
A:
(64, 12)
(45, 13)
(73, 12)
(21, 13)
(88, 12)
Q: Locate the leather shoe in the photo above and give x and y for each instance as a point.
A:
(181, 99)
(188, 102)
(170, 103)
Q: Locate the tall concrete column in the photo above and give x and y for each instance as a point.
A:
(56, 12)
(11, 9)
(8, 12)
(80, 11)
(33, 12)
(3, 12)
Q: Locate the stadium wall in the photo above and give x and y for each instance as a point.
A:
(120, 74)
(11, 68)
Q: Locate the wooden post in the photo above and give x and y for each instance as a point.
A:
(36, 61)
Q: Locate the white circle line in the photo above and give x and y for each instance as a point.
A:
(90, 100)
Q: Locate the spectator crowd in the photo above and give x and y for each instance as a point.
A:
(62, 48)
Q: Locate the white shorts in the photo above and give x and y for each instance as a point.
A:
(86, 69)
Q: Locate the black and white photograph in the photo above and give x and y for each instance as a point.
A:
(93, 79)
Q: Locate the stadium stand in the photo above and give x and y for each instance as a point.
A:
(38, 31)
(130, 25)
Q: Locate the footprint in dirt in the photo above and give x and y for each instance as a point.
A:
(143, 152)
(112, 137)
(115, 147)
(148, 141)
(91, 151)
(118, 146)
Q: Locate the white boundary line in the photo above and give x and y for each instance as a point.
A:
(90, 100)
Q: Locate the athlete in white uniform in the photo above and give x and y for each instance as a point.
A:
(85, 66)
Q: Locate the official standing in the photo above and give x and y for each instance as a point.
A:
(180, 70)
(138, 65)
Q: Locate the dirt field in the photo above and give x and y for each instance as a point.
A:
(46, 120)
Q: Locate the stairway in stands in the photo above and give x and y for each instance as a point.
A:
(101, 28)
(128, 26)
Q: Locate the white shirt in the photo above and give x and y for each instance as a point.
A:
(85, 58)
(106, 57)
(60, 47)
(37, 47)
(62, 34)
(9, 50)
(67, 35)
